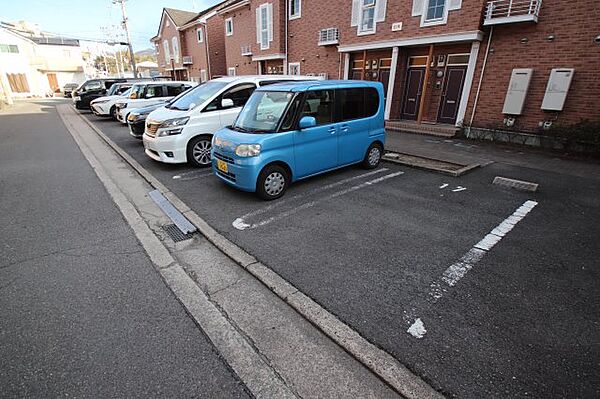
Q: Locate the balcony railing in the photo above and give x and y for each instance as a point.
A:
(329, 36)
(247, 50)
(511, 11)
(187, 60)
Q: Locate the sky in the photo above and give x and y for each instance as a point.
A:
(96, 19)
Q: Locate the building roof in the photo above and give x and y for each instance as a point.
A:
(180, 17)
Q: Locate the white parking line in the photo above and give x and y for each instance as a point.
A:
(195, 174)
(458, 270)
(240, 224)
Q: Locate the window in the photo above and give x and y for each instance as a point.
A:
(229, 26)
(371, 102)
(264, 111)
(175, 47)
(172, 91)
(154, 91)
(200, 35)
(203, 75)
(9, 48)
(435, 10)
(294, 68)
(167, 51)
(238, 94)
(319, 104)
(295, 8)
(367, 16)
(94, 85)
(197, 95)
(231, 71)
(264, 27)
(350, 104)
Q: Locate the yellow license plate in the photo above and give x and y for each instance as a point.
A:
(222, 166)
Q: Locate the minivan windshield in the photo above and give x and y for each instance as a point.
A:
(197, 96)
(263, 111)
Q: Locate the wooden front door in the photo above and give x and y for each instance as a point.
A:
(53, 81)
(412, 93)
(450, 100)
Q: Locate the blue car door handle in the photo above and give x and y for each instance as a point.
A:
(332, 130)
(345, 128)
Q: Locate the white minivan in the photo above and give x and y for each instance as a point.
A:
(143, 94)
(182, 131)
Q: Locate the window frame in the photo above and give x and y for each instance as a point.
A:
(200, 35)
(225, 91)
(167, 50)
(175, 45)
(333, 110)
(436, 21)
(229, 26)
(291, 15)
(229, 69)
(364, 7)
(294, 64)
(203, 75)
(264, 28)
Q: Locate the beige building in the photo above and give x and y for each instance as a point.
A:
(35, 64)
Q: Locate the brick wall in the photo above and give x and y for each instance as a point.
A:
(167, 33)
(244, 34)
(303, 37)
(574, 25)
(215, 27)
(196, 50)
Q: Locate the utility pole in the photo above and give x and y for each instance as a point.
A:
(131, 55)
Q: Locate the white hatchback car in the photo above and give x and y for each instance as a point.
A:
(144, 94)
(106, 106)
(182, 131)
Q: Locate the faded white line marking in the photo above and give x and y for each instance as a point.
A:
(240, 224)
(459, 188)
(417, 329)
(444, 186)
(195, 174)
(453, 274)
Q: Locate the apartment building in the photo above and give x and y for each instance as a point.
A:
(503, 64)
(189, 45)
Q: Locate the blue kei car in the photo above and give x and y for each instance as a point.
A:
(291, 131)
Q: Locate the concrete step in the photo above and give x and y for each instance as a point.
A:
(438, 130)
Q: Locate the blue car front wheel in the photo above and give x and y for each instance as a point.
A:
(272, 182)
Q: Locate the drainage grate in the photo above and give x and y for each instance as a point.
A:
(176, 234)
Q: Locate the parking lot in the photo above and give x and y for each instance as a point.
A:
(481, 290)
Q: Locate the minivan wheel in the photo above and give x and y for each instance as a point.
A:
(113, 112)
(373, 156)
(272, 182)
(198, 151)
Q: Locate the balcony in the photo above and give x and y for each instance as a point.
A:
(511, 11)
(247, 50)
(329, 36)
(187, 60)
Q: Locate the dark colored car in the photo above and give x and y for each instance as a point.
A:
(137, 119)
(95, 88)
(68, 89)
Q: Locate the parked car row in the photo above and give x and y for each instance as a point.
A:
(258, 133)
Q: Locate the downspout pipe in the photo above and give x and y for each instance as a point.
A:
(285, 66)
(485, 58)
(204, 24)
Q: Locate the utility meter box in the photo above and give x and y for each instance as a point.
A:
(517, 91)
(557, 89)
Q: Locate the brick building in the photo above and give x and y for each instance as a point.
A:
(190, 46)
(443, 63)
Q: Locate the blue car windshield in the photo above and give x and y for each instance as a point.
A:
(263, 111)
(197, 96)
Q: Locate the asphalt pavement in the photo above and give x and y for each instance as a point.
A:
(374, 248)
(83, 313)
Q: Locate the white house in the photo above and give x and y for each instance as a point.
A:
(35, 64)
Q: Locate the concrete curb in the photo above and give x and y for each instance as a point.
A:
(382, 364)
(389, 157)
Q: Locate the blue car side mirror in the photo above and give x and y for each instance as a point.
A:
(307, 121)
